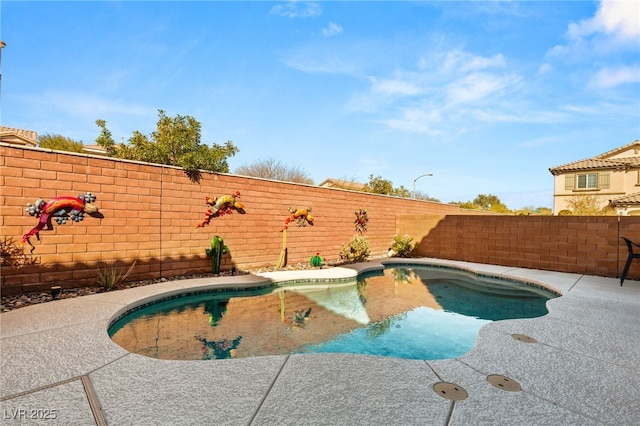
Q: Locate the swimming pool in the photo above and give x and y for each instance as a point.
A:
(414, 312)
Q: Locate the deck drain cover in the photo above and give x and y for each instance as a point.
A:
(524, 338)
(450, 391)
(504, 383)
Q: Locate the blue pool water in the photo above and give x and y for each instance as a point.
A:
(422, 333)
(404, 312)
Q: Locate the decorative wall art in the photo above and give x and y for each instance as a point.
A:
(302, 217)
(221, 206)
(59, 209)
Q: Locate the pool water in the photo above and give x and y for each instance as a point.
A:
(405, 312)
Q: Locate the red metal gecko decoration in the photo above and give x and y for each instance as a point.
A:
(221, 206)
(60, 209)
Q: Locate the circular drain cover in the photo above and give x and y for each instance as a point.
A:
(504, 383)
(524, 338)
(450, 391)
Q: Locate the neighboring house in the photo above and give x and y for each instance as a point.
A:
(18, 136)
(613, 178)
(342, 184)
(94, 149)
(30, 138)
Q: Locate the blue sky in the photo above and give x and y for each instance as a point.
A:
(486, 96)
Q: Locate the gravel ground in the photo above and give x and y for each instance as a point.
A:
(9, 303)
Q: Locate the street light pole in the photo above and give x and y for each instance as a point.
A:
(414, 183)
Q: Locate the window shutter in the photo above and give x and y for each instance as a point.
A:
(603, 180)
(569, 182)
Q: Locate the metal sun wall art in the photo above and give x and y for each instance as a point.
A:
(60, 209)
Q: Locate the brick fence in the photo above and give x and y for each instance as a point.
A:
(577, 244)
(149, 214)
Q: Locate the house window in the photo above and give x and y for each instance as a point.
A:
(588, 181)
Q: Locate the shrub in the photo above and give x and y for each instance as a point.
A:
(402, 246)
(111, 276)
(356, 250)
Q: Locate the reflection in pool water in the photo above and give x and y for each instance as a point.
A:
(405, 312)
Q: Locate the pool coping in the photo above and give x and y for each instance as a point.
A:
(583, 368)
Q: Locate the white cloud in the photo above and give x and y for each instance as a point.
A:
(616, 17)
(545, 68)
(394, 87)
(477, 86)
(331, 30)
(296, 9)
(611, 77)
(417, 120)
(461, 61)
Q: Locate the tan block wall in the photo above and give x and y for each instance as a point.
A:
(577, 244)
(150, 213)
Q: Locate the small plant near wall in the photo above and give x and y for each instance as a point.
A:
(402, 246)
(316, 261)
(356, 250)
(215, 252)
(13, 255)
(110, 276)
(361, 222)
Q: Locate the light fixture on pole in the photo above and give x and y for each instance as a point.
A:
(414, 183)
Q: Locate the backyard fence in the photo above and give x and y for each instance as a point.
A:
(148, 214)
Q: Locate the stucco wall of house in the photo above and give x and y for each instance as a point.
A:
(621, 182)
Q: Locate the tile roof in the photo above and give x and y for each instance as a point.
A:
(619, 149)
(342, 184)
(602, 161)
(626, 199)
(30, 135)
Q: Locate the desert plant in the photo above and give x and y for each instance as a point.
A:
(356, 250)
(316, 260)
(584, 205)
(111, 276)
(13, 255)
(215, 252)
(402, 246)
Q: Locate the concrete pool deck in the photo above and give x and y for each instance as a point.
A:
(584, 368)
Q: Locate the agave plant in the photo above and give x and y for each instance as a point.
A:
(111, 276)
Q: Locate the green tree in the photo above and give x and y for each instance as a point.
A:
(423, 196)
(105, 140)
(490, 203)
(401, 192)
(377, 185)
(59, 142)
(534, 211)
(484, 202)
(276, 170)
(465, 205)
(175, 142)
